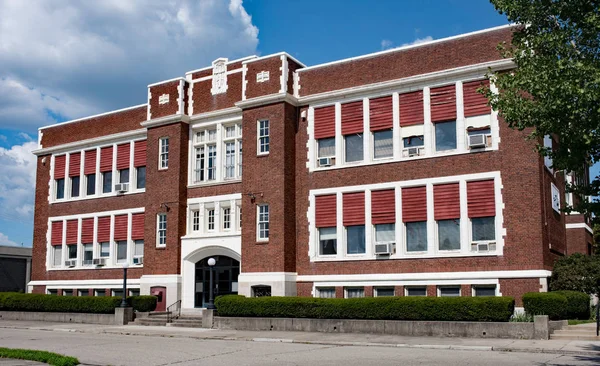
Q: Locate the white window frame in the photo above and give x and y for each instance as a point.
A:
(159, 230)
(260, 142)
(377, 288)
(357, 162)
(321, 289)
(195, 223)
(470, 240)
(163, 153)
(385, 158)
(259, 237)
(208, 215)
(226, 218)
(346, 289)
(439, 290)
(406, 288)
(473, 287)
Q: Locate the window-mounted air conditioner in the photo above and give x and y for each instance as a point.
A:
(384, 248)
(329, 161)
(121, 187)
(478, 141)
(71, 263)
(99, 261)
(483, 247)
(138, 260)
(413, 151)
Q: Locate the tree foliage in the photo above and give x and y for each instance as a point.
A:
(555, 88)
(577, 272)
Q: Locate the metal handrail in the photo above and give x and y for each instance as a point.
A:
(175, 307)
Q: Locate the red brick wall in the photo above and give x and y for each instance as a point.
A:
(94, 127)
(554, 231)
(292, 67)
(272, 86)
(204, 101)
(161, 110)
(577, 240)
(518, 287)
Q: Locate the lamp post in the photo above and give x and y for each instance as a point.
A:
(124, 300)
(211, 304)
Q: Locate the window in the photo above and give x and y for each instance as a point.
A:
(484, 290)
(134, 292)
(239, 157)
(90, 184)
(354, 292)
(263, 222)
(88, 254)
(355, 239)
(416, 236)
(354, 147)
(385, 233)
(196, 220)
(164, 153)
(326, 147)
(229, 160)
(226, 218)
(104, 250)
(53, 292)
(72, 251)
(483, 228)
(326, 292)
(140, 174)
(138, 248)
(208, 166)
(445, 136)
(67, 292)
(106, 182)
(327, 241)
(99, 293)
(263, 137)
(75, 186)
(384, 291)
(548, 144)
(413, 141)
(83, 293)
(383, 144)
(60, 189)
(239, 212)
(416, 291)
(117, 293)
(206, 156)
(161, 229)
(449, 291)
(121, 251)
(124, 176)
(57, 255)
(449, 234)
(210, 214)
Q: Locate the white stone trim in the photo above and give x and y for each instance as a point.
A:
(180, 101)
(244, 81)
(267, 99)
(92, 116)
(87, 284)
(284, 74)
(161, 121)
(581, 225)
(216, 116)
(116, 138)
(441, 40)
(285, 54)
(426, 276)
(228, 63)
(179, 78)
(218, 64)
(190, 110)
(296, 77)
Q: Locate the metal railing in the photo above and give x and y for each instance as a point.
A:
(173, 309)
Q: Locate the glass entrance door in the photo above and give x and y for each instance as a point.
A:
(225, 277)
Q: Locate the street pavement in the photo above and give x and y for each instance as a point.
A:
(134, 345)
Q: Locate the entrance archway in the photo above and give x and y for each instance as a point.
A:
(225, 277)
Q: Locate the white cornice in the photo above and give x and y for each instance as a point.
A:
(580, 225)
(161, 121)
(233, 111)
(227, 63)
(93, 116)
(166, 81)
(267, 99)
(443, 75)
(278, 54)
(82, 144)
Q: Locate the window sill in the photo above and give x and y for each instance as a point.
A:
(211, 235)
(99, 196)
(161, 246)
(215, 183)
(423, 255)
(95, 268)
(260, 242)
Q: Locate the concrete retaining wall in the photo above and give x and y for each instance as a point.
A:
(394, 327)
(106, 319)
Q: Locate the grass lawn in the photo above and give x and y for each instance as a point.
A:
(41, 356)
(575, 322)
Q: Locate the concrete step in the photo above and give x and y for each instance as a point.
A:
(187, 317)
(185, 324)
(150, 321)
(575, 337)
(153, 314)
(577, 332)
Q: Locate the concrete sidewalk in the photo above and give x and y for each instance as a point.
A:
(564, 347)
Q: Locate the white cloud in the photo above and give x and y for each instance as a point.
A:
(24, 136)
(386, 44)
(3, 138)
(4, 240)
(17, 182)
(418, 41)
(71, 59)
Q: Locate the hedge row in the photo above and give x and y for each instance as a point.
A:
(12, 301)
(558, 304)
(486, 309)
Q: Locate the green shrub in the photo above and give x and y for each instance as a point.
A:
(546, 303)
(12, 301)
(487, 309)
(578, 304)
(41, 356)
(142, 303)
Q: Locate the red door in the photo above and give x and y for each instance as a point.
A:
(161, 293)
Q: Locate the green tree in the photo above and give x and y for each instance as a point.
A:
(555, 87)
(577, 272)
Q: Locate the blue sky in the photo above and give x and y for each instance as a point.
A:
(64, 60)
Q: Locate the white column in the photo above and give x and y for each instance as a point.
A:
(494, 125)
(220, 161)
(218, 226)
(95, 245)
(460, 119)
(465, 242)
(341, 249)
(202, 223)
(368, 153)
(64, 244)
(98, 175)
(400, 251)
(368, 226)
(428, 126)
(339, 139)
(79, 244)
(111, 246)
(67, 179)
(431, 242)
(129, 241)
(132, 172)
(397, 136)
(115, 179)
(82, 180)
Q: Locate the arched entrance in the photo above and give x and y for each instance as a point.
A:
(225, 277)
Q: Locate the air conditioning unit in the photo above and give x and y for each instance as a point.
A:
(413, 151)
(121, 187)
(138, 260)
(477, 141)
(384, 248)
(326, 161)
(71, 263)
(483, 247)
(99, 261)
